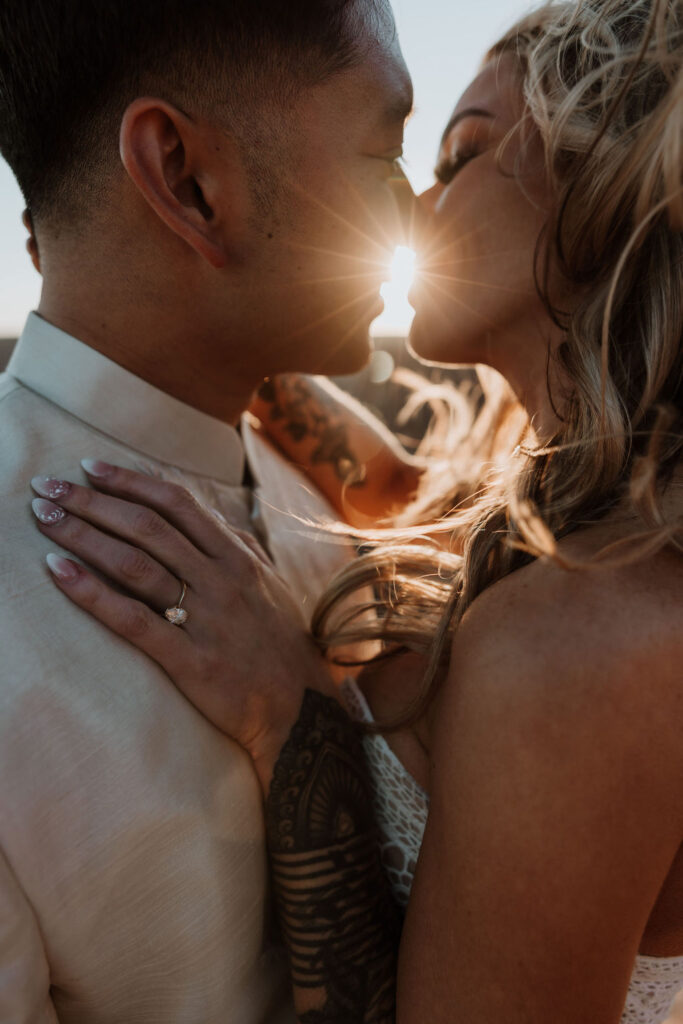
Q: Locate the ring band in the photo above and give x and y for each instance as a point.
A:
(177, 614)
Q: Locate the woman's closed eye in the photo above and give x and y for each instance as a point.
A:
(447, 168)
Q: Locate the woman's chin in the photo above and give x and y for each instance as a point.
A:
(432, 340)
(429, 345)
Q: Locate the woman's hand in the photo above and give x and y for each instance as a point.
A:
(244, 659)
(243, 656)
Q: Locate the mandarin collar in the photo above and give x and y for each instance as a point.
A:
(98, 391)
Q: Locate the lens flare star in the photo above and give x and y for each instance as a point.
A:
(398, 313)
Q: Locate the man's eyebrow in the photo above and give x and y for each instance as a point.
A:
(457, 118)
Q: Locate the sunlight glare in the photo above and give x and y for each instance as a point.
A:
(398, 313)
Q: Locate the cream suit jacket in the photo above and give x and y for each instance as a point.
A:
(133, 875)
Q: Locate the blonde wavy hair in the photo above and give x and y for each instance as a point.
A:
(603, 85)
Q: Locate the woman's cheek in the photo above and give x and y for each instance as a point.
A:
(479, 279)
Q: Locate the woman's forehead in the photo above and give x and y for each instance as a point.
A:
(496, 91)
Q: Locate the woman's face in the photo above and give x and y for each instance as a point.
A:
(475, 297)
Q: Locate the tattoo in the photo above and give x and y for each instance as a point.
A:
(338, 917)
(306, 417)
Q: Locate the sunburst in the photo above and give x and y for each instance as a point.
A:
(398, 313)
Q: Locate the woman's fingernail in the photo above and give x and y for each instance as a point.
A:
(50, 487)
(97, 468)
(62, 568)
(47, 513)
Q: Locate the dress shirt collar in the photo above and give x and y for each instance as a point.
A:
(98, 391)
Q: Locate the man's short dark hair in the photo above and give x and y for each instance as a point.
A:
(69, 69)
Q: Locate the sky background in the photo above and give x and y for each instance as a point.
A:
(443, 42)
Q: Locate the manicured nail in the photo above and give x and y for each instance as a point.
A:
(97, 468)
(50, 487)
(47, 513)
(62, 568)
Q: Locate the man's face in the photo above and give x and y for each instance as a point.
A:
(318, 256)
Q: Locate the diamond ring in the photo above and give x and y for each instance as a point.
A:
(177, 614)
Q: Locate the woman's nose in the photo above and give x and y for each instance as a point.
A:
(428, 199)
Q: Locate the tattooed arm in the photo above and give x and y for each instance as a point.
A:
(352, 458)
(340, 924)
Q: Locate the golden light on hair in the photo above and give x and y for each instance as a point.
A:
(611, 128)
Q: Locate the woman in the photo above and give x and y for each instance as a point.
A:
(546, 722)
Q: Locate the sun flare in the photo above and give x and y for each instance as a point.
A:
(398, 313)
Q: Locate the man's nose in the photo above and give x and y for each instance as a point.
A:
(411, 218)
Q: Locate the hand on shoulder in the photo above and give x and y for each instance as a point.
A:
(242, 654)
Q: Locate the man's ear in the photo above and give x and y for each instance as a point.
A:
(31, 242)
(189, 175)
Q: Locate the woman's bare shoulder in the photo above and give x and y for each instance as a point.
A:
(601, 644)
(594, 604)
(556, 769)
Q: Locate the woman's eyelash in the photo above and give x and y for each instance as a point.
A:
(447, 168)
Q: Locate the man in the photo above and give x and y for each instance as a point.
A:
(209, 188)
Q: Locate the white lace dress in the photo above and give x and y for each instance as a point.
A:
(401, 811)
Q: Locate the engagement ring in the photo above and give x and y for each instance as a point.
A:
(177, 614)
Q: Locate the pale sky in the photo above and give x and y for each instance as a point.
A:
(443, 42)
